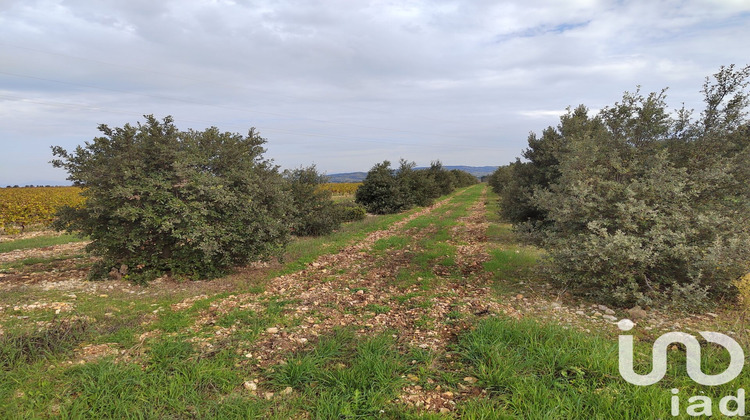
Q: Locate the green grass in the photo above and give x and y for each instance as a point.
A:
(345, 376)
(524, 369)
(38, 242)
(173, 321)
(378, 309)
(391, 243)
(536, 370)
(510, 263)
(24, 347)
(45, 263)
(304, 251)
(510, 266)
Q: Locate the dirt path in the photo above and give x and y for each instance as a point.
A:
(357, 288)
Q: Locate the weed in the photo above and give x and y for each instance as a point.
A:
(59, 337)
(363, 387)
(378, 309)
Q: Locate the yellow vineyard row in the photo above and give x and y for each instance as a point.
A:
(341, 188)
(21, 207)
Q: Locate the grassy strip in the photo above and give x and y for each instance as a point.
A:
(31, 346)
(39, 242)
(435, 257)
(303, 251)
(176, 381)
(510, 263)
(535, 370)
(344, 376)
(26, 262)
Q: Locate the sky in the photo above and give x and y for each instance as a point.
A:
(344, 84)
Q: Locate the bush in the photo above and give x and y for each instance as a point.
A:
(314, 212)
(159, 200)
(649, 208)
(380, 192)
(417, 187)
(385, 190)
(349, 212)
(443, 180)
(540, 169)
(463, 179)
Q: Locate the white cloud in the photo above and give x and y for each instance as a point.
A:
(347, 83)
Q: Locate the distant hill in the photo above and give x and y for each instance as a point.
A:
(347, 177)
(477, 171)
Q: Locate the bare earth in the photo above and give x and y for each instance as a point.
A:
(338, 290)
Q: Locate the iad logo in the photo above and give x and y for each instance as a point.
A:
(659, 367)
(702, 404)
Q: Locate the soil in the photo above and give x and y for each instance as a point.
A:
(344, 290)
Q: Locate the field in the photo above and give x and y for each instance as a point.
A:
(436, 313)
(341, 188)
(21, 208)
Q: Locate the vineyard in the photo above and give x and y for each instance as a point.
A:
(341, 188)
(24, 207)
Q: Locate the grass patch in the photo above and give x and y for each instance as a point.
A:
(304, 251)
(39, 242)
(173, 381)
(511, 265)
(47, 262)
(535, 370)
(30, 346)
(378, 309)
(391, 243)
(173, 321)
(175, 384)
(345, 377)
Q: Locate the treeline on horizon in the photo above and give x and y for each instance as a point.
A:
(639, 204)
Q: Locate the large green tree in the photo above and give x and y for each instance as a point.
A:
(653, 207)
(314, 211)
(160, 200)
(539, 169)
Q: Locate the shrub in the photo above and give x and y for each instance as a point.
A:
(313, 212)
(540, 168)
(380, 192)
(443, 180)
(160, 200)
(349, 212)
(652, 208)
(417, 186)
(463, 179)
(385, 190)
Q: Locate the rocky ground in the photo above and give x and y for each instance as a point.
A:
(353, 288)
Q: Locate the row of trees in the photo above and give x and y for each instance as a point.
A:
(387, 190)
(195, 203)
(639, 204)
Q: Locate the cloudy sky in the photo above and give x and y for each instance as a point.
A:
(344, 83)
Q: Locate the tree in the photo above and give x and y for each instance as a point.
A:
(540, 168)
(380, 191)
(314, 212)
(160, 200)
(443, 180)
(416, 186)
(648, 207)
(462, 178)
